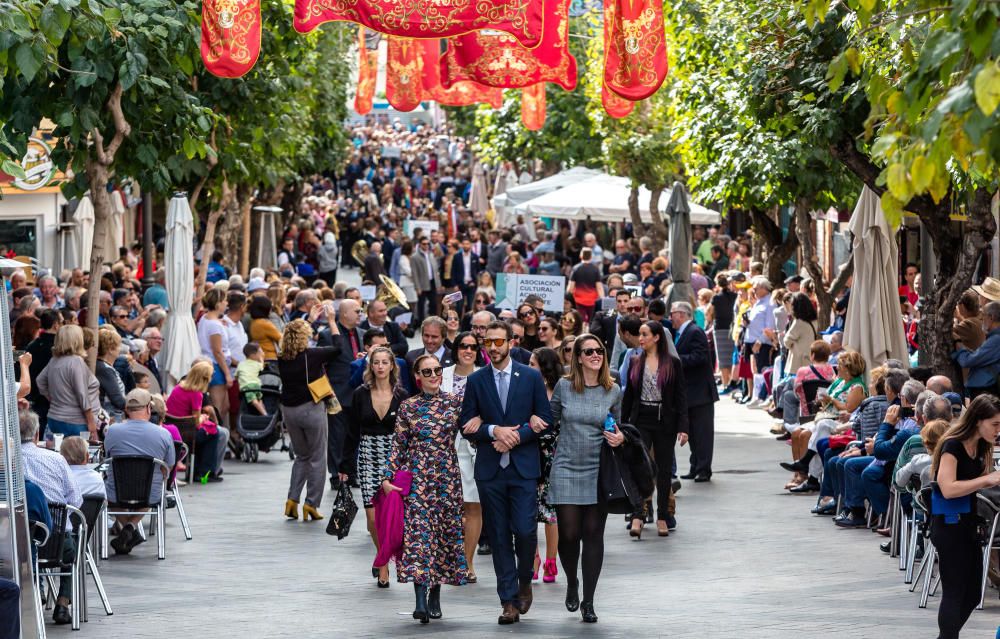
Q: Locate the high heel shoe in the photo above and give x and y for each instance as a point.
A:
(661, 528)
(572, 597)
(420, 611)
(291, 509)
(308, 512)
(377, 573)
(551, 570)
(587, 612)
(434, 602)
(636, 529)
(538, 561)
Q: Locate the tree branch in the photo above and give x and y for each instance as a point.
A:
(122, 127)
(211, 161)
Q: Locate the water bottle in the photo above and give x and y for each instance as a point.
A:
(609, 423)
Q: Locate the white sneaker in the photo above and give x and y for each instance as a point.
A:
(757, 404)
(753, 403)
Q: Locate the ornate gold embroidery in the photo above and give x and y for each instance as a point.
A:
(230, 23)
(636, 46)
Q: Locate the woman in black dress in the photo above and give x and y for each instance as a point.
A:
(371, 424)
(962, 463)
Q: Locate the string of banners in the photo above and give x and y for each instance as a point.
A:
(462, 52)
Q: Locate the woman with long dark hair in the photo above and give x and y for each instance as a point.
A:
(656, 403)
(962, 462)
(547, 362)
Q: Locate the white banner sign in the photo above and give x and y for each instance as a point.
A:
(410, 226)
(513, 288)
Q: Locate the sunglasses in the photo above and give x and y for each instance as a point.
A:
(431, 372)
(526, 314)
(120, 317)
(568, 349)
(587, 352)
(496, 342)
(468, 347)
(453, 318)
(568, 320)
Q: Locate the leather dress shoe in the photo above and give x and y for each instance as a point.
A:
(675, 485)
(587, 612)
(795, 467)
(826, 509)
(808, 486)
(509, 615)
(688, 476)
(700, 479)
(524, 598)
(484, 549)
(572, 597)
(61, 615)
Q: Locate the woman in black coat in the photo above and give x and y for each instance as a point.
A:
(655, 402)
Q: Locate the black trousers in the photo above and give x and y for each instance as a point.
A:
(336, 433)
(701, 434)
(661, 442)
(10, 609)
(426, 306)
(960, 559)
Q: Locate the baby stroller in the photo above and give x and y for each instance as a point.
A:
(262, 432)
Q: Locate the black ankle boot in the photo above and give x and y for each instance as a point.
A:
(572, 596)
(420, 612)
(587, 612)
(434, 602)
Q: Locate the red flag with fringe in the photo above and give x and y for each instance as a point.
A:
(533, 106)
(460, 93)
(367, 74)
(523, 19)
(403, 87)
(496, 59)
(635, 49)
(230, 36)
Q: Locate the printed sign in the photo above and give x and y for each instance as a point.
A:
(513, 288)
(409, 226)
(37, 165)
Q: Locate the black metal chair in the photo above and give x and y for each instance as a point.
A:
(51, 563)
(133, 479)
(92, 508)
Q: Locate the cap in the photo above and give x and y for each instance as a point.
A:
(795, 279)
(630, 278)
(739, 276)
(953, 397)
(256, 284)
(137, 398)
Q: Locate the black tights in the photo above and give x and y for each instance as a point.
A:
(582, 524)
(961, 564)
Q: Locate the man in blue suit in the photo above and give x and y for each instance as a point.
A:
(504, 410)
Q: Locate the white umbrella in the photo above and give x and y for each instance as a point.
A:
(180, 338)
(116, 227)
(679, 214)
(84, 218)
(505, 202)
(874, 324)
(478, 201)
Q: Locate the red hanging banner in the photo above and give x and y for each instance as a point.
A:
(635, 49)
(403, 87)
(533, 106)
(367, 74)
(498, 60)
(460, 93)
(230, 36)
(523, 19)
(614, 105)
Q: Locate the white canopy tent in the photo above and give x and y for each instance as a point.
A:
(505, 202)
(603, 198)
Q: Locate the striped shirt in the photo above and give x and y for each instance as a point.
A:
(50, 472)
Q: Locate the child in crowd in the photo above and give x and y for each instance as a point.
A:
(248, 375)
(141, 380)
(77, 454)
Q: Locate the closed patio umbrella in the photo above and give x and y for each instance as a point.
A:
(84, 218)
(114, 237)
(874, 324)
(180, 338)
(679, 216)
(478, 201)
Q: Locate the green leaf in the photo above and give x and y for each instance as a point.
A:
(922, 172)
(112, 17)
(54, 22)
(898, 182)
(987, 88)
(12, 168)
(868, 5)
(835, 74)
(892, 209)
(28, 59)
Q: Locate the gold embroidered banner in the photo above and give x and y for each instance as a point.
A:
(460, 93)
(367, 74)
(498, 60)
(523, 19)
(533, 106)
(635, 49)
(615, 105)
(230, 36)
(403, 87)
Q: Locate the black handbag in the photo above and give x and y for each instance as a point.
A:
(344, 511)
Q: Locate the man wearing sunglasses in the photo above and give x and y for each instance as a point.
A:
(504, 409)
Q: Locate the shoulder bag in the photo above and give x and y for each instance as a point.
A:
(319, 388)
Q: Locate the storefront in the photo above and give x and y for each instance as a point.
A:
(32, 210)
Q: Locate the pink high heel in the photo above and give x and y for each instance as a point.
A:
(538, 561)
(550, 570)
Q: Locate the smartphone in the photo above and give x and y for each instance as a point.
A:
(905, 411)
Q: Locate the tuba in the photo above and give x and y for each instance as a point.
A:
(359, 251)
(390, 294)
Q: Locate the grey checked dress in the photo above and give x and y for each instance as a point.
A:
(579, 419)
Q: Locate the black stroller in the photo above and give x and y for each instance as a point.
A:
(262, 432)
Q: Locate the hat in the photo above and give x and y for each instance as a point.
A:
(137, 398)
(990, 289)
(953, 397)
(795, 279)
(256, 284)
(630, 278)
(739, 276)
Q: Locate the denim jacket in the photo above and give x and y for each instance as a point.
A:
(983, 363)
(890, 440)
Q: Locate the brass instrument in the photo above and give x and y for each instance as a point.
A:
(390, 294)
(359, 251)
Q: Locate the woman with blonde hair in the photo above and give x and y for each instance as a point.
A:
(370, 426)
(566, 350)
(109, 344)
(305, 417)
(213, 339)
(186, 404)
(72, 390)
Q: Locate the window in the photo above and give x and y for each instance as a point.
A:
(19, 236)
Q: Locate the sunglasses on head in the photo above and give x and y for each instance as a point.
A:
(430, 372)
(587, 352)
(468, 347)
(496, 342)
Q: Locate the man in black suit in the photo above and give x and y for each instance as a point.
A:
(432, 332)
(465, 270)
(692, 347)
(339, 372)
(378, 317)
(518, 354)
(605, 324)
(374, 266)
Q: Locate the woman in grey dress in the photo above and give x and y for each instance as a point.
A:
(581, 403)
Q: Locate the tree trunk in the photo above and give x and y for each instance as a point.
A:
(246, 209)
(778, 247)
(230, 226)
(658, 230)
(208, 243)
(825, 293)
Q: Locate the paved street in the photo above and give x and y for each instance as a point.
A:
(746, 561)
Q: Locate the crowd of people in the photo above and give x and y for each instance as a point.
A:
(503, 418)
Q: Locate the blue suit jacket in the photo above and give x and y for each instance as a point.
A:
(358, 367)
(526, 396)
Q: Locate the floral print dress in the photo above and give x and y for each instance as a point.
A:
(424, 444)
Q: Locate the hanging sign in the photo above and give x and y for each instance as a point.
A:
(37, 166)
(367, 74)
(533, 106)
(635, 50)
(496, 59)
(230, 36)
(458, 94)
(403, 87)
(614, 105)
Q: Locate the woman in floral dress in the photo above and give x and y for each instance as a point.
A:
(549, 364)
(424, 444)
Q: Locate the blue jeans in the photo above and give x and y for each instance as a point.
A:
(833, 472)
(10, 609)
(854, 481)
(59, 427)
(876, 489)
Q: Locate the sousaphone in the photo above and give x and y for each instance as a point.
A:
(391, 294)
(359, 251)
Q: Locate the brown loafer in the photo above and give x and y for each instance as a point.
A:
(524, 598)
(509, 615)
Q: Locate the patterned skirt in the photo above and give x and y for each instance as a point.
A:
(546, 512)
(373, 451)
(724, 347)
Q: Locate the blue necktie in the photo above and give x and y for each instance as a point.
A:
(502, 391)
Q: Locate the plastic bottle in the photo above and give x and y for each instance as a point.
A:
(609, 423)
